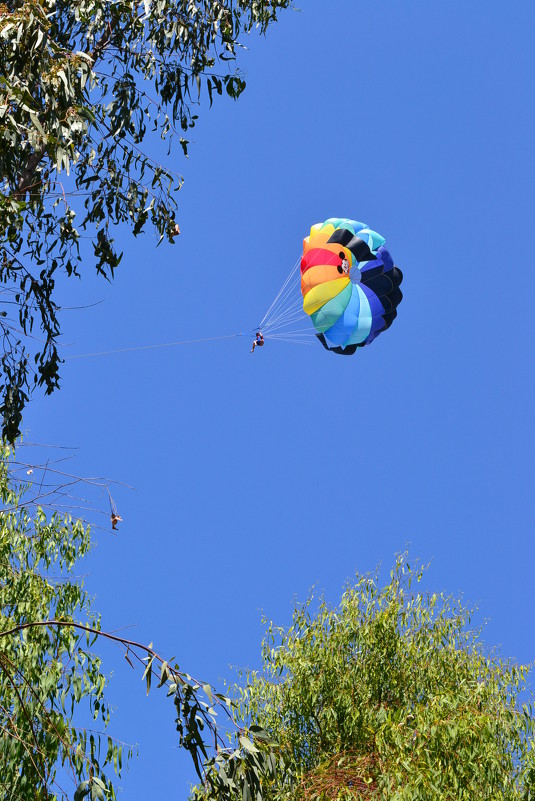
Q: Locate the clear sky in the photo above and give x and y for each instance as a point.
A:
(257, 476)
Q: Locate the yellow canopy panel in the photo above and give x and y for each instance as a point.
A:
(322, 293)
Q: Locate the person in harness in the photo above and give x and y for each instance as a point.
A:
(258, 341)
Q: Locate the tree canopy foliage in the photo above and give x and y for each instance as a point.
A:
(47, 671)
(392, 695)
(82, 86)
(54, 715)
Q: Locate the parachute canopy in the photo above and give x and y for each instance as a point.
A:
(349, 283)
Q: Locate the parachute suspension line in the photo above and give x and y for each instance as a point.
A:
(288, 304)
(287, 315)
(286, 312)
(301, 331)
(287, 301)
(285, 324)
(160, 345)
(280, 293)
(289, 338)
(281, 297)
(290, 316)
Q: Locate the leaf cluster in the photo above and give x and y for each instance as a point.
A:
(224, 769)
(47, 672)
(83, 85)
(391, 695)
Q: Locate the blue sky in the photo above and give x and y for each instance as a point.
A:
(257, 476)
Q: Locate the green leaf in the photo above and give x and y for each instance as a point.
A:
(82, 790)
(260, 733)
(97, 793)
(164, 674)
(248, 745)
(35, 121)
(208, 690)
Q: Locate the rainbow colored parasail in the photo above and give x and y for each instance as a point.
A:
(349, 283)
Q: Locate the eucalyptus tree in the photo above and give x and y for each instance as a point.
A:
(56, 740)
(391, 695)
(83, 86)
(48, 669)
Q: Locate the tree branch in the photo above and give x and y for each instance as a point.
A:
(103, 42)
(82, 627)
(26, 179)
